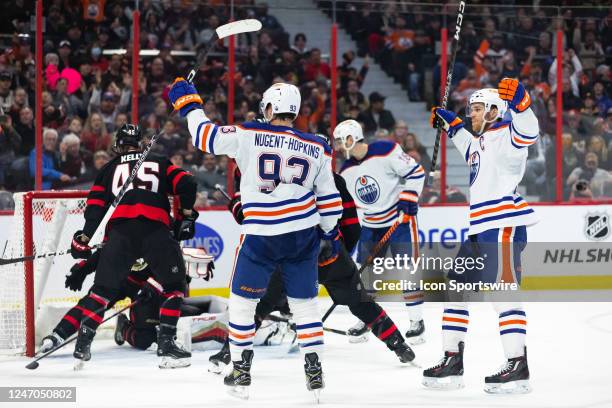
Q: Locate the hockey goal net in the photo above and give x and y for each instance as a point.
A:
(32, 293)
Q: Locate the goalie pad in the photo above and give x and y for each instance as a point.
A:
(207, 330)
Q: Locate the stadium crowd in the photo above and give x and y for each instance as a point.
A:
(87, 86)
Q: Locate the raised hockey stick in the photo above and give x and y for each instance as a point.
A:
(369, 259)
(220, 189)
(449, 79)
(233, 28)
(34, 364)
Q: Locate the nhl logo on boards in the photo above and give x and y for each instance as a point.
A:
(367, 189)
(597, 226)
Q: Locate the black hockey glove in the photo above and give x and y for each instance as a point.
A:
(184, 227)
(79, 249)
(235, 207)
(80, 270)
(329, 247)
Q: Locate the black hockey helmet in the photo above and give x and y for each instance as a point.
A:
(128, 135)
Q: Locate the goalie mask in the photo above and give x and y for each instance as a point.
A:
(345, 129)
(489, 97)
(284, 98)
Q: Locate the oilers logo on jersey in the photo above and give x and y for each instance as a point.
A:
(474, 164)
(367, 189)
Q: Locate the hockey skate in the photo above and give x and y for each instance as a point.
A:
(396, 343)
(121, 321)
(314, 374)
(239, 380)
(82, 349)
(448, 373)
(414, 335)
(220, 360)
(50, 342)
(512, 378)
(358, 333)
(171, 355)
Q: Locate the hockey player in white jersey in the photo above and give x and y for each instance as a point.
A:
(496, 155)
(289, 203)
(386, 184)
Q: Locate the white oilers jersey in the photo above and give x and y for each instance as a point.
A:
(383, 177)
(497, 162)
(287, 182)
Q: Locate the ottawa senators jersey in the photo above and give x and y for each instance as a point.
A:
(146, 197)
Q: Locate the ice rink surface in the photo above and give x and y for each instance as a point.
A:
(569, 349)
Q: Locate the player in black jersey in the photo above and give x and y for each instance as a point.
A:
(138, 228)
(339, 276)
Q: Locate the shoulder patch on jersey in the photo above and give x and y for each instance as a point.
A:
(380, 148)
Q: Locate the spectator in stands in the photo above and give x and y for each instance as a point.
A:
(50, 161)
(352, 97)
(598, 146)
(315, 68)
(71, 161)
(591, 173)
(411, 145)
(376, 116)
(572, 157)
(95, 136)
(571, 73)
(64, 51)
(299, 44)
(10, 142)
(209, 175)
(6, 93)
(604, 103)
(268, 21)
(20, 101)
(100, 158)
(170, 139)
(25, 127)
(431, 195)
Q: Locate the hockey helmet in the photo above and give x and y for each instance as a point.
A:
(284, 98)
(345, 129)
(489, 97)
(128, 135)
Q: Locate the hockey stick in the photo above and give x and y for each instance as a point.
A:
(341, 332)
(233, 28)
(34, 364)
(7, 261)
(369, 260)
(222, 191)
(449, 79)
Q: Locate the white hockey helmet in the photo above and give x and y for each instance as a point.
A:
(284, 98)
(489, 97)
(345, 129)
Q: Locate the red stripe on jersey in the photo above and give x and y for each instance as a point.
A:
(95, 201)
(350, 204)
(176, 179)
(349, 221)
(141, 210)
(387, 332)
(97, 188)
(169, 312)
(171, 169)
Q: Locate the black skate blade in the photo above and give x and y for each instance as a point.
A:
(453, 382)
(511, 387)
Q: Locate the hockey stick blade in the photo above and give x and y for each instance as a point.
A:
(238, 27)
(341, 332)
(34, 364)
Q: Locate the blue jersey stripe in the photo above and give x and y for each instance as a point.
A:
(328, 197)
(522, 135)
(490, 202)
(415, 177)
(312, 343)
(211, 139)
(249, 220)
(327, 214)
(280, 203)
(381, 212)
(456, 328)
(501, 216)
(508, 331)
(412, 170)
(243, 344)
(457, 311)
